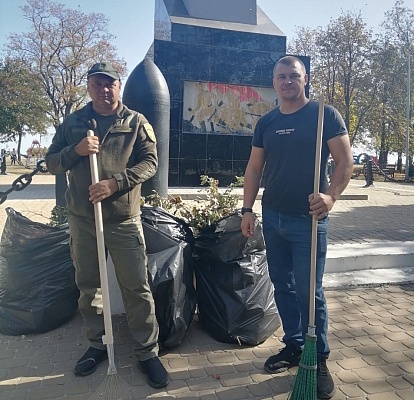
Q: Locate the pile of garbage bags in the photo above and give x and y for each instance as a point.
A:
(231, 290)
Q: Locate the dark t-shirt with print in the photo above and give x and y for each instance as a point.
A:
(289, 142)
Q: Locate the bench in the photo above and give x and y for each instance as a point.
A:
(389, 170)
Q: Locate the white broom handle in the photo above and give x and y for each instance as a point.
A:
(316, 181)
(101, 253)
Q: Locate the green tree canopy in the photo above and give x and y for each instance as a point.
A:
(363, 75)
(24, 104)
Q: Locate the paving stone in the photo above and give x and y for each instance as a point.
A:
(399, 383)
(208, 382)
(260, 390)
(236, 379)
(394, 357)
(24, 352)
(392, 346)
(204, 396)
(18, 372)
(244, 367)
(178, 363)
(197, 361)
(352, 363)
(77, 388)
(221, 358)
(14, 395)
(407, 366)
(385, 396)
(374, 360)
(349, 342)
(43, 393)
(409, 378)
(219, 369)
(351, 390)
(375, 386)
(335, 355)
(14, 362)
(281, 383)
(234, 393)
(370, 373)
(349, 352)
(406, 394)
(245, 354)
(375, 330)
(347, 377)
(370, 350)
(197, 372)
(398, 336)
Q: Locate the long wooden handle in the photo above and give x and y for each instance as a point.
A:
(103, 272)
(316, 182)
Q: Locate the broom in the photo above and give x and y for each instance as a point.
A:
(304, 386)
(113, 387)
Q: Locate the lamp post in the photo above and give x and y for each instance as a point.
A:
(407, 139)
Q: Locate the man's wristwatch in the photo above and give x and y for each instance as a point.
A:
(245, 210)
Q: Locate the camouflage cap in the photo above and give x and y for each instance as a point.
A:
(105, 69)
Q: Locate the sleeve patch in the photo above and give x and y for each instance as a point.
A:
(150, 132)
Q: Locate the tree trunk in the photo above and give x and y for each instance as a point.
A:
(399, 162)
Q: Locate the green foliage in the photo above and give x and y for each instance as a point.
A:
(58, 216)
(364, 75)
(214, 205)
(23, 107)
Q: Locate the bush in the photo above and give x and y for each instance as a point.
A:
(218, 204)
(58, 216)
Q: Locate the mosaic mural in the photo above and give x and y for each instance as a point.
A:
(224, 108)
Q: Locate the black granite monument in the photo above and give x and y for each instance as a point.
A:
(217, 58)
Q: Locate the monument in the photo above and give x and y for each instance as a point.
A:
(217, 58)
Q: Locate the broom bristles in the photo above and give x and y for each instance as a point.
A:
(304, 385)
(114, 388)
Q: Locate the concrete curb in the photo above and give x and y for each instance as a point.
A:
(366, 256)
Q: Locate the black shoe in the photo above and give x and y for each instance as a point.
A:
(286, 358)
(90, 361)
(157, 376)
(325, 384)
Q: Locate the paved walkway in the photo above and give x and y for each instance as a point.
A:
(371, 326)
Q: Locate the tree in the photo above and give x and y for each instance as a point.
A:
(340, 67)
(344, 70)
(59, 48)
(23, 106)
(385, 122)
(399, 28)
(304, 44)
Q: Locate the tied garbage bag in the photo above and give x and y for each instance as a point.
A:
(170, 268)
(234, 291)
(167, 223)
(37, 285)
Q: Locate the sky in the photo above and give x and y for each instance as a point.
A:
(132, 22)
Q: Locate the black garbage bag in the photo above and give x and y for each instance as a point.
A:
(167, 223)
(234, 292)
(37, 285)
(171, 269)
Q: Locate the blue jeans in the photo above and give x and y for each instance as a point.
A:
(288, 246)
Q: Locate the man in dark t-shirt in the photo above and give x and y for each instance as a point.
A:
(283, 155)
